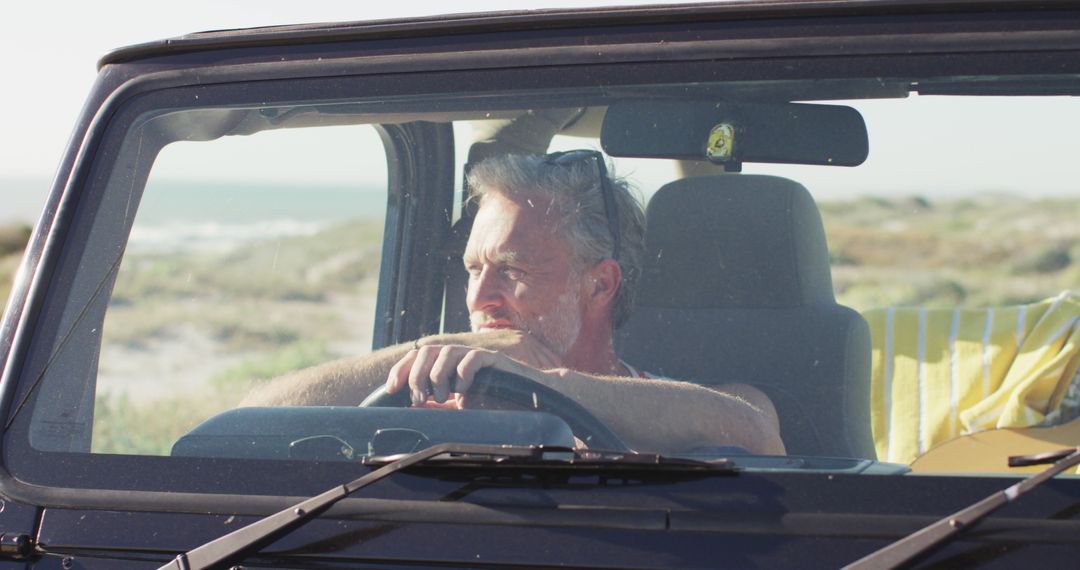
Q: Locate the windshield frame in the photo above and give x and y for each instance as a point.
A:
(143, 482)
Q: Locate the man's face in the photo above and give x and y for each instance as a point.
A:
(521, 274)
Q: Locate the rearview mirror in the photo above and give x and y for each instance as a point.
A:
(732, 133)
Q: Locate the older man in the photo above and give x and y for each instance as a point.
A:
(553, 256)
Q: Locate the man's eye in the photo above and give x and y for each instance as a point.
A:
(512, 273)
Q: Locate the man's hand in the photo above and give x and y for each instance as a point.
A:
(519, 345)
(440, 371)
(445, 365)
(430, 370)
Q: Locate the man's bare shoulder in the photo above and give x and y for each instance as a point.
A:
(753, 396)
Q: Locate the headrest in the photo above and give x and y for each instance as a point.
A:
(735, 241)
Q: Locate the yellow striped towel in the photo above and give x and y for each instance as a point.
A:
(941, 373)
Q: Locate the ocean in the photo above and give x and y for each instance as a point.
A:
(199, 215)
(21, 199)
(189, 216)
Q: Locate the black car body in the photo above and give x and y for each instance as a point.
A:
(236, 205)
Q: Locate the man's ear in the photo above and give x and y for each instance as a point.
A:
(603, 280)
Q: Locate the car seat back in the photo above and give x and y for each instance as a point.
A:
(737, 287)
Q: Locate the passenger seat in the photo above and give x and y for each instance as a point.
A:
(737, 287)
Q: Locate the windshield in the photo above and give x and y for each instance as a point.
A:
(868, 274)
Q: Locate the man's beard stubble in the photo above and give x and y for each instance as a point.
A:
(558, 331)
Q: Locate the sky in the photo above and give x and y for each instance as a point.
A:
(51, 61)
(51, 56)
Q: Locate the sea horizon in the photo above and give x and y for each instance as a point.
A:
(22, 199)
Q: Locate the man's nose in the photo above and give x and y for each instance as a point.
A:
(485, 291)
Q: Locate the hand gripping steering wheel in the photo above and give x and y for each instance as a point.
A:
(529, 394)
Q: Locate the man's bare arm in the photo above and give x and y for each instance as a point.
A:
(669, 416)
(346, 382)
(649, 415)
(699, 416)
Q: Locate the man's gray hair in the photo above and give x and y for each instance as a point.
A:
(574, 192)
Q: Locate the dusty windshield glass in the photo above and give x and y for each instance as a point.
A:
(885, 277)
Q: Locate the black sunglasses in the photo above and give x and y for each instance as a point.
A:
(568, 157)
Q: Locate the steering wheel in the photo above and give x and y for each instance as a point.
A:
(526, 393)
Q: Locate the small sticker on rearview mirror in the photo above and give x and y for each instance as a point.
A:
(721, 143)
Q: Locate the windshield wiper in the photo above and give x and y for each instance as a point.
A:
(950, 527)
(557, 456)
(234, 547)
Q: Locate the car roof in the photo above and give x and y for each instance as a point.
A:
(504, 21)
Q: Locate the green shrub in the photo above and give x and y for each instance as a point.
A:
(122, 425)
(13, 239)
(295, 356)
(1046, 260)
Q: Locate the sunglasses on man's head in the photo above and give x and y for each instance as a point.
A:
(566, 158)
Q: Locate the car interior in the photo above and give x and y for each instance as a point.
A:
(765, 263)
(765, 282)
